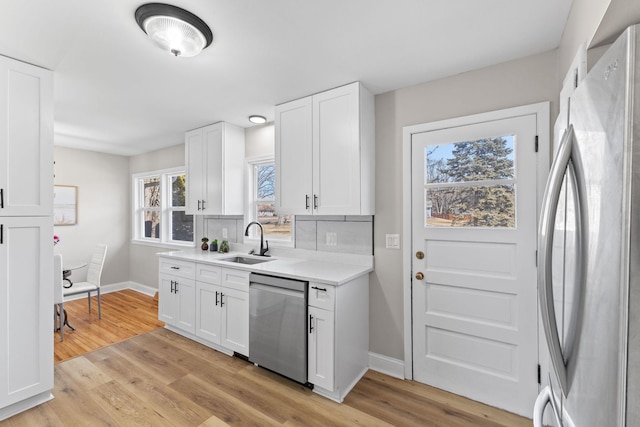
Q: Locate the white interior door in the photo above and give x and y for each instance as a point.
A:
(474, 290)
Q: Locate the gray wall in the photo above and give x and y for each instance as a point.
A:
(526, 81)
(103, 210)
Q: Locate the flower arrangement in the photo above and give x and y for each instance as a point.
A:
(56, 240)
(205, 245)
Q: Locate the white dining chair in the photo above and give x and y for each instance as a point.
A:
(93, 278)
(58, 298)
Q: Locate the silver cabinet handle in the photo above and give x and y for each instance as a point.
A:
(203, 206)
(221, 301)
(310, 323)
(216, 298)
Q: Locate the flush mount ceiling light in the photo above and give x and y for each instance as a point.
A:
(257, 119)
(173, 29)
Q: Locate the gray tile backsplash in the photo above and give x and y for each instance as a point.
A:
(215, 225)
(341, 234)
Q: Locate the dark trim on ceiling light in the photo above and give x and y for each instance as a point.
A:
(161, 9)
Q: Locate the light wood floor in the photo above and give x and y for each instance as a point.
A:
(125, 314)
(162, 379)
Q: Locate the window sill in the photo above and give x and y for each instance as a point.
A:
(165, 245)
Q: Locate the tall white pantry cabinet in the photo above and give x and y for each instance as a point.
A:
(26, 236)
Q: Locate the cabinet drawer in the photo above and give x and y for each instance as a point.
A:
(235, 279)
(322, 296)
(178, 268)
(208, 274)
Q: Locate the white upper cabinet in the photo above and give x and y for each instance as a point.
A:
(325, 153)
(215, 164)
(26, 139)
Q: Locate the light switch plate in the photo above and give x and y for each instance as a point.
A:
(393, 241)
(225, 232)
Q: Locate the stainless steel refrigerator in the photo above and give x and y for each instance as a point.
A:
(589, 250)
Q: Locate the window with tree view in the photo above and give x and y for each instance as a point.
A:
(471, 183)
(160, 208)
(275, 226)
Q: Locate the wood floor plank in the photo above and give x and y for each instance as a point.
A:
(74, 406)
(163, 399)
(304, 402)
(231, 410)
(42, 415)
(125, 407)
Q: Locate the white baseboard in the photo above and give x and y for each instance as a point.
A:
(115, 287)
(386, 365)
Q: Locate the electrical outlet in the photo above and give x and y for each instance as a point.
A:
(393, 241)
(332, 239)
(225, 233)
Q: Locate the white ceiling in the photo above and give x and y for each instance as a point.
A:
(116, 92)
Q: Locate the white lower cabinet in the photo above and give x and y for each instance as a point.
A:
(176, 306)
(234, 328)
(207, 302)
(222, 316)
(208, 312)
(321, 347)
(338, 336)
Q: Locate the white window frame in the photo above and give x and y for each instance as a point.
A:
(250, 214)
(165, 210)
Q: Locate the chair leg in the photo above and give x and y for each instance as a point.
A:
(63, 320)
(89, 300)
(99, 306)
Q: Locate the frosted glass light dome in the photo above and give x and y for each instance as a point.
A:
(173, 29)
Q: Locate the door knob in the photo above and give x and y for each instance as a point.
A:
(419, 275)
(420, 255)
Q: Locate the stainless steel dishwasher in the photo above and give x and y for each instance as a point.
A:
(278, 325)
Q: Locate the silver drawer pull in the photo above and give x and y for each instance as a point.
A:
(175, 268)
(319, 289)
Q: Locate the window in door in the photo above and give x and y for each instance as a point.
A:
(471, 183)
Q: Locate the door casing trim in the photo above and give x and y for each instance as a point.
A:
(542, 112)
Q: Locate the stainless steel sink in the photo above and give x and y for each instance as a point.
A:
(246, 260)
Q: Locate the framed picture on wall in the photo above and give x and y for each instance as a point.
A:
(65, 205)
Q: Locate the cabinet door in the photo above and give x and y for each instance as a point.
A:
(235, 320)
(293, 147)
(26, 140)
(336, 151)
(195, 160)
(166, 299)
(212, 136)
(26, 299)
(321, 348)
(208, 312)
(185, 291)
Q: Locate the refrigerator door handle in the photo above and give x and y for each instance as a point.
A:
(543, 399)
(545, 243)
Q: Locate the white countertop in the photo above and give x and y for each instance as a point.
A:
(330, 273)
